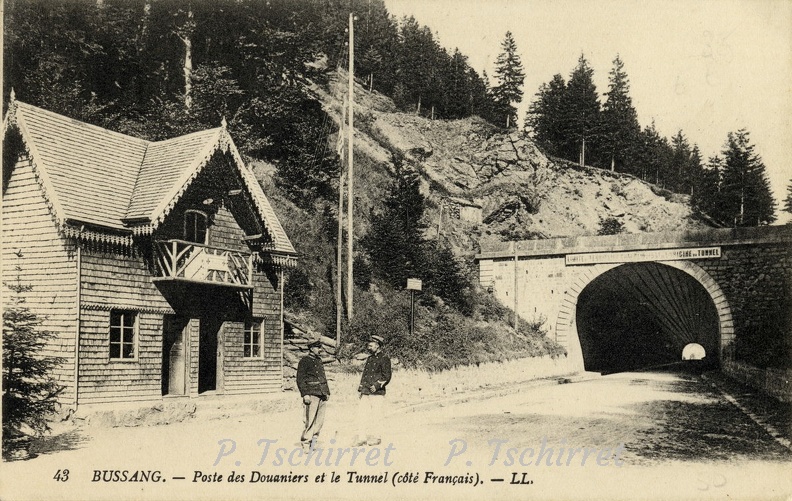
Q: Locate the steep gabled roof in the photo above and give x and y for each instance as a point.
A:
(90, 171)
(162, 167)
(94, 176)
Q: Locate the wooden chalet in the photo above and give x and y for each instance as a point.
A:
(158, 265)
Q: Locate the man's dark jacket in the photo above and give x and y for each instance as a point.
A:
(377, 372)
(311, 378)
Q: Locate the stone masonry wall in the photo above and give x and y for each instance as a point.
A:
(757, 282)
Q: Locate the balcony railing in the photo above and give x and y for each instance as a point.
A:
(189, 261)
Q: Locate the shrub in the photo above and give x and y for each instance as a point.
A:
(610, 226)
(29, 390)
(297, 295)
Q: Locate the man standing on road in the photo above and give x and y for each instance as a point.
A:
(312, 383)
(376, 375)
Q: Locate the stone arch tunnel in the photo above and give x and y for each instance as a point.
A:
(616, 302)
(642, 315)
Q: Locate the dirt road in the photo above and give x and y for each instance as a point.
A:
(624, 436)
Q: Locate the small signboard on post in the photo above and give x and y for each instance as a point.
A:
(414, 284)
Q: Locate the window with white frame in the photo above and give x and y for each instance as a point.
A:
(251, 346)
(195, 223)
(123, 329)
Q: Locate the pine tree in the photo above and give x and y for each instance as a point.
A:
(746, 198)
(788, 199)
(376, 36)
(445, 276)
(545, 116)
(654, 156)
(678, 176)
(696, 167)
(510, 75)
(416, 56)
(395, 240)
(29, 390)
(620, 128)
(480, 102)
(706, 189)
(582, 112)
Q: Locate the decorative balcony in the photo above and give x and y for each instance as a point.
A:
(197, 263)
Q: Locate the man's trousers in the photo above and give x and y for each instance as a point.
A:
(313, 418)
(370, 416)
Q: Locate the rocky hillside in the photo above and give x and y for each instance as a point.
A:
(485, 187)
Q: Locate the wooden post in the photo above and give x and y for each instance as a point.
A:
(351, 172)
(339, 260)
(440, 220)
(516, 316)
(412, 312)
(174, 258)
(77, 336)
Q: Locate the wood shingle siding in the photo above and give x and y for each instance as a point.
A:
(247, 375)
(91, 210)
(48, 264)
(103, 379)
(117, 281)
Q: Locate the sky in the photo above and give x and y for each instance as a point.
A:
(707, 67)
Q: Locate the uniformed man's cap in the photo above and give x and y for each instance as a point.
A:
(377, 339)
(315, 344)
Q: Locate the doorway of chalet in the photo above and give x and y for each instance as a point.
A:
(210, 355)
(174, 355)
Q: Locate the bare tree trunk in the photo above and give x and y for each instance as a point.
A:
(742, 205)
(418, 110)
(144, 25)
(185, 35)
(187, 73)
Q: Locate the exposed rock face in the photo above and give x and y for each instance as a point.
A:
(521, 193)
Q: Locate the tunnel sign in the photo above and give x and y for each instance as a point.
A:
(643, 255)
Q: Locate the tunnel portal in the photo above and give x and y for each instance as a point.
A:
(641, 316)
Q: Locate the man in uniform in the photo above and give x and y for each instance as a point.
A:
(376, 376)
(312, 383)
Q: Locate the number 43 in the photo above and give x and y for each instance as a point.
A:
(61, 475)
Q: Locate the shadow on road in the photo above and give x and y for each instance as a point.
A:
(705, 428)
(658, 417)
(65, 441)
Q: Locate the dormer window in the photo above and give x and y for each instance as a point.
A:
(195, 223)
